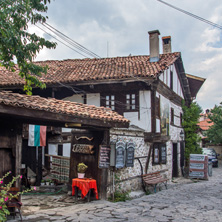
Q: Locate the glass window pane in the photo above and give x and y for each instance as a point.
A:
(128, 106)
(127, 96)
(133, 107)
(107, 97)
(113, 103)
(112, 97)
(113, 107)
(133, 96)
(133, 101)
(107, 103)
(127, 102)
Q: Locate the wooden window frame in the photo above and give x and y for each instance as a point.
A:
(131, 101)
(159, 153)
(157, 112)
(171, 80)
(172, 116)
(181, 119)
(110, 101)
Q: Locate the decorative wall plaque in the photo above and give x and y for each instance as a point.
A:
(120, 154)
(130, 154)
(83, 148)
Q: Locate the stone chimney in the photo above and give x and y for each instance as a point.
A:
(166, 40)
(154, 45)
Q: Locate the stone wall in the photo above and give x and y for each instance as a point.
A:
(129, 178)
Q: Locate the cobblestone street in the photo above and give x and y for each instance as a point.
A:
(186, 201)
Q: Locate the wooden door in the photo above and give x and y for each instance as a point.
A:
(175, 161)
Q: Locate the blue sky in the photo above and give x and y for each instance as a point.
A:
(123, 25)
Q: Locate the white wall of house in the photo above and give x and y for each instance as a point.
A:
(93, 99)
(143, 118)
(79, 98)
(53, 149)
(165, 77)
(66, 149)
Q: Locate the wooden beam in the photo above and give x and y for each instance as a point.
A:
(31, 115)
(18, 154)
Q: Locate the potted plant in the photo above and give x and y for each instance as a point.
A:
(42, 182)
(81, 169)
(48, 182)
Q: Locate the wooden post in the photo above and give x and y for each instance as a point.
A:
(39, 166)
(104, 172)
(18, 154)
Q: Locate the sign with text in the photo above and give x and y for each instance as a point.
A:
(120, 154)
(104, 156)
(198, 167)
(130, 154)
(83, 148)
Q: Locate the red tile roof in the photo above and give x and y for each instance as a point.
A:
(205, 124)
(83, 70)
(74, 109)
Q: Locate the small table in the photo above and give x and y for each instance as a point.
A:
(85, 185)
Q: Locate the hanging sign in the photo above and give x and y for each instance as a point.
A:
(83, 148)
(130, 154)
(120, 154)
(104, 156)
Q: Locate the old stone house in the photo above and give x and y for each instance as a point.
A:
(147, 90)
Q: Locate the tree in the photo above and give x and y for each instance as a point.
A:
(190, 119)
(214, 133)
(17, 44)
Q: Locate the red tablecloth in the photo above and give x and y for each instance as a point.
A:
(84, 185)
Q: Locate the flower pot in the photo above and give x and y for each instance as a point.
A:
(81, 175)
(32, 181)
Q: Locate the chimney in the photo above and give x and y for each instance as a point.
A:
(154, 45)
(166, 40)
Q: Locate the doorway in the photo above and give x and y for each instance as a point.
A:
(175, 161)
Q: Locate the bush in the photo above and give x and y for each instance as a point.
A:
(5, 196)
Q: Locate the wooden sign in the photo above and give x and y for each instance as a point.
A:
(120, 154)
(104, 156)
(198, 167)
(130, 154)
(83, 148)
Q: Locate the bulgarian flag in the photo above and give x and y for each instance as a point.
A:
(37, 135)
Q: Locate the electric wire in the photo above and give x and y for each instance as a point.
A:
(192, 15)
(84, 50)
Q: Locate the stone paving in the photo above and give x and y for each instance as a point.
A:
(184, 201)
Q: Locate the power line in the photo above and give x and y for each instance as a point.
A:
(83, 51)
(72, 41)
(192, 15)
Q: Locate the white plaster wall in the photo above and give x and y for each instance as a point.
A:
(93, 99)
(165, 77)
(79, 98)
(53, 149)
(157, 125)
(66, 149)
(143, 118)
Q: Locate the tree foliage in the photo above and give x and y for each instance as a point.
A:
(17, 44)
(190, 119)
(214, 133)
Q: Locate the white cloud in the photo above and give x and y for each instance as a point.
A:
(124, 25)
